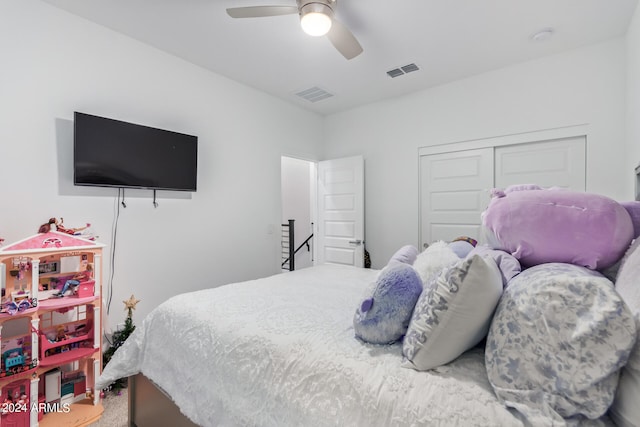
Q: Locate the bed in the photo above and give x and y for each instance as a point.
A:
(281, 351)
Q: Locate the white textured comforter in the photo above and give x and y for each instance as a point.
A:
(281, 351)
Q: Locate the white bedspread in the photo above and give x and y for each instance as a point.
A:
(281, 351)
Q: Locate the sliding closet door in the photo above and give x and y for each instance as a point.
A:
(454, 185)
(555, 163)
(453, 192)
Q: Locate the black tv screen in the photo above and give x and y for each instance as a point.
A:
(113, 153)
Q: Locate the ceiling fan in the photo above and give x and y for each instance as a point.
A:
(316, 19)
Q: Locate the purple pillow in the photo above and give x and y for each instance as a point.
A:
(540, 226)
(406, 255)
(461, 248)
(634, 212)
(507, 263)
(383, 314)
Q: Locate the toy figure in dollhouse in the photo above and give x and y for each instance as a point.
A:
(77, 278)
(55, 224)
(23, 265)
(61, 334)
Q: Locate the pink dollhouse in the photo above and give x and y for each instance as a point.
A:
(50, 341)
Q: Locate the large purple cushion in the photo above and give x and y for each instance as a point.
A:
(539, 226)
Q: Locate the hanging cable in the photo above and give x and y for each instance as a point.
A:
(114, 235)
(112, 261)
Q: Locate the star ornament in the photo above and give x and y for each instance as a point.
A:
(130, 304)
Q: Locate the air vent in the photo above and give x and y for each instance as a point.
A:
(314, 94)
(401, 71)
(410, 68)
(395, 72)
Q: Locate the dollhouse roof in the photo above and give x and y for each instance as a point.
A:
(46, 242)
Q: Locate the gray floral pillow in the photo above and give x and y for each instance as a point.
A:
(557, 340)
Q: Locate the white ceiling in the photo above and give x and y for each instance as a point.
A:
(447, 39)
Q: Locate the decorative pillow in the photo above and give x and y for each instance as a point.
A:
(625, 410)
(434, 259)
(452, 314)
(385, 311)
(555, 225)
(507, 263)
(406, 254)
(557, 340)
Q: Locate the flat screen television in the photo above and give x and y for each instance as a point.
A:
(113, 153)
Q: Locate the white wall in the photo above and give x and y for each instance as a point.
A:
(296, 204)
(633, 93)
(54, 63)
(582, 86)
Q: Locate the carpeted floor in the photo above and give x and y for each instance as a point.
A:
(115, 411)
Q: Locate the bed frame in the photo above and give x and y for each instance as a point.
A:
(149, 406)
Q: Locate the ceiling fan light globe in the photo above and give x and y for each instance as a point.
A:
(315, 19)
(315, 24)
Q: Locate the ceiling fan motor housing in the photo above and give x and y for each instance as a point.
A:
(316, 6)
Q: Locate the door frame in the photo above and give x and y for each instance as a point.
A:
(313, 196)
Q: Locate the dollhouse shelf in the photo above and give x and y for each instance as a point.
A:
(67, 356)
(58, 303)
(46, 345)
(50, 304)
(23, 374)
(27, 312)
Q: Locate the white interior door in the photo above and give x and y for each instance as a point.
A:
(454, 192)
(340, 222)
(555, 163)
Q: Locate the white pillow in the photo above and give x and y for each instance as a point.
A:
(434, 259)
(453, 313)
(625, 410)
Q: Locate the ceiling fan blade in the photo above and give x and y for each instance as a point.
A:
(344, 40)
(260, 11)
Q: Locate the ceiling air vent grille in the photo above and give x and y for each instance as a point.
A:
(401, 71)
(410, 68)
(314, 94)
